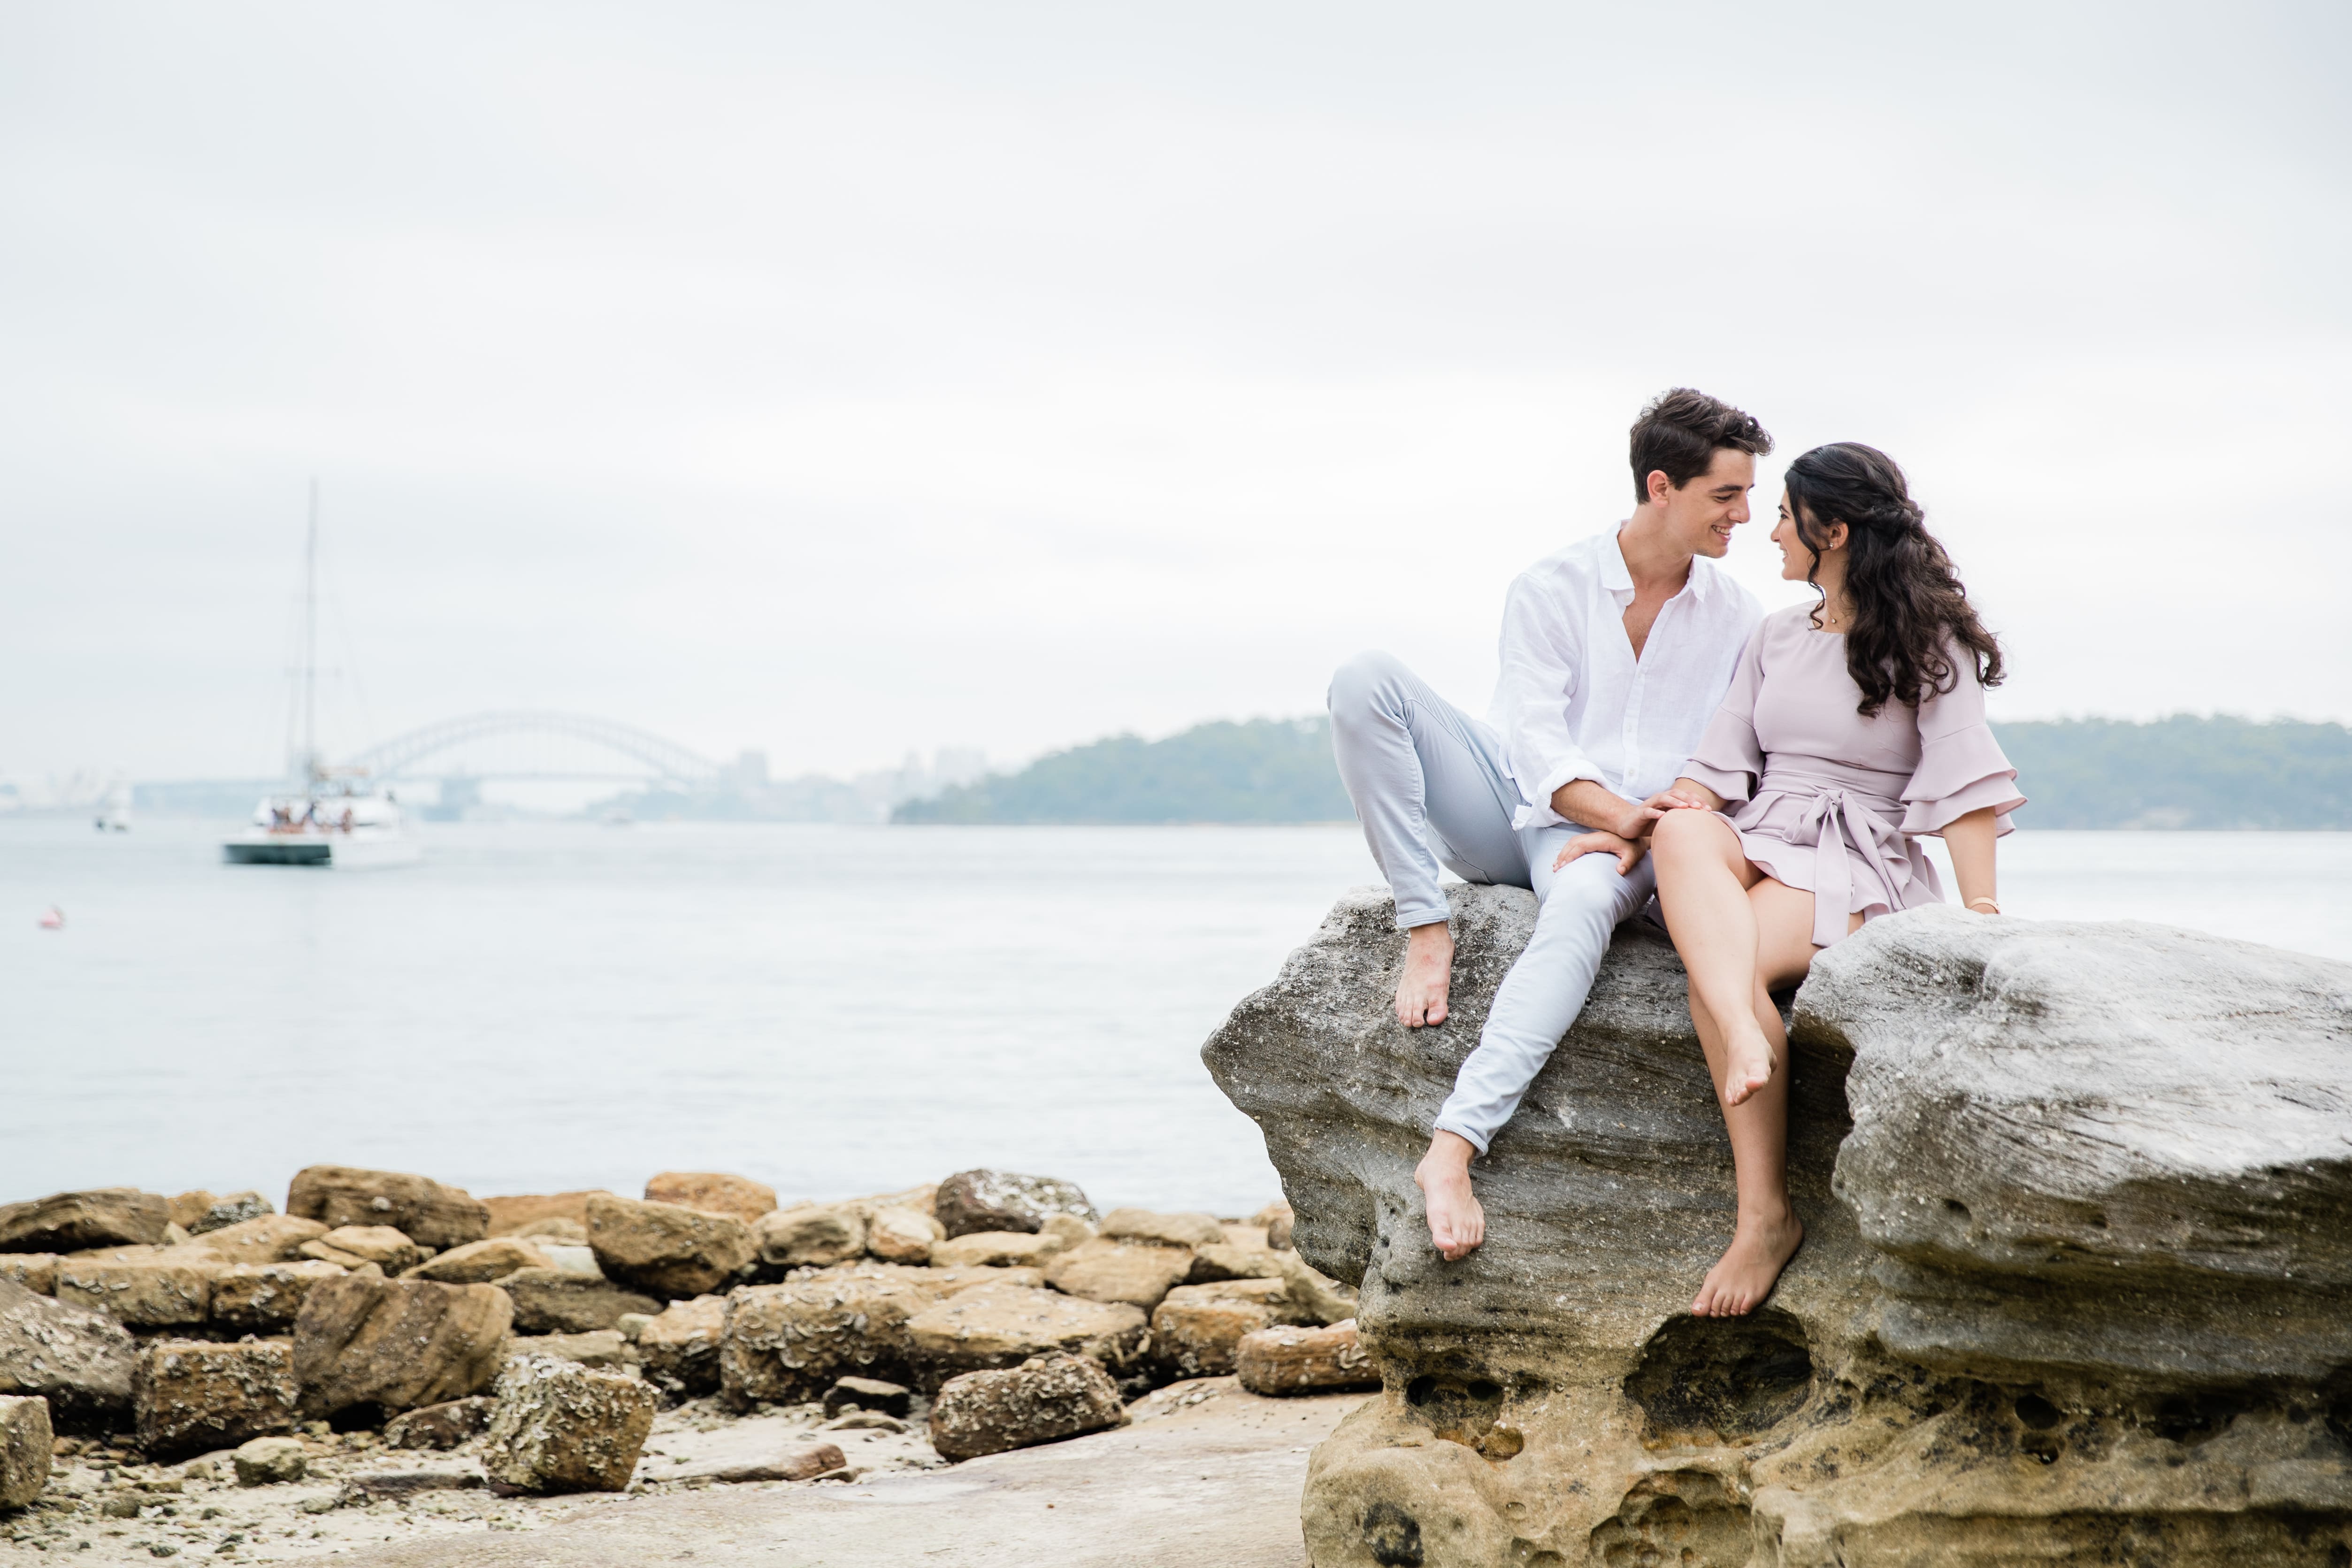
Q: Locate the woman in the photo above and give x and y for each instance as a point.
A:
(1852, 727)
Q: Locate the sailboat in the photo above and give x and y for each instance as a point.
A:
(332, 816)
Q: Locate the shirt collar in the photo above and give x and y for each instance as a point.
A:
(1619, 580)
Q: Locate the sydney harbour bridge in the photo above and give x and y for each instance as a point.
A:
(534, 745)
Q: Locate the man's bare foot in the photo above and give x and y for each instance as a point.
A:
(1749, 1268)
(1456, 1223)
(1428, 975)
(1747, 1065)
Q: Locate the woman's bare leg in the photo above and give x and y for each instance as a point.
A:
(1767, 1233)
(1702, 882)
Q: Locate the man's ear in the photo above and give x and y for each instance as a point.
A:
(1658, 486)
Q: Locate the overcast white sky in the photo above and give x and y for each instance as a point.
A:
(839, 380)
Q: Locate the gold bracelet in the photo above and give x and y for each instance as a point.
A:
(1993, 909)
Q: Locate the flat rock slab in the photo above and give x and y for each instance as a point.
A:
(1212, 1482)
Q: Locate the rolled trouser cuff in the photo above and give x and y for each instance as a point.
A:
(1448, 1122)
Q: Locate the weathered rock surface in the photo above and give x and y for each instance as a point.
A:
(680, 1348)
(1138, 1273)
(868, 1394)
(672, 1252)
(161, 1290)
(265, 1239)
(1163, 1229)
(810, 1235)
(481, 1262)
(387, 1247)
(218, 1213)
(395, 1344)
(25, 1443)
(1043, 1400)
(995, 1250)
(428, 1213)
(1197, 1329)
(36, 1271)
(2076, 1286)
(997, 1327)
(441, 1426)
(557, 1300)
(190, 1397)
(564, 1427)
(80, 1361)
(1005, 1200)
(790, 1343)
(267, 1461)
(1289, 1360)
(265, 1298)
(714, 1192)
(515, 1215)
(900, 1235)
(605, 1347)
(78, 1221)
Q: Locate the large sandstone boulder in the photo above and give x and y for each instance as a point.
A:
(36, 1271)
(714, 1192)
(556, 1300)
(1005, 1200)
(1043, 1400)
(679, 1348)
(561, 1428)
(394, 1344)
(1197, 1329)
(79, 1221)
(1136, 1272)
(481, 1262)
(356, 1245)
(428, 1213)
(897, 1234)
(809, 1235)
(1286, 1360)
(995, 1250)
(2077, 1278)
(201, 1213)
(265, 1239)
(790, 1343)
(163, 1290)
(191, 1397)
(80, 1361)
(997, 1327)
(265, 1298)
(25, 1444)
(515, 1215)
(672, 1252)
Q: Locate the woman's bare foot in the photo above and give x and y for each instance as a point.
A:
(1457, 1224)
(1749, 1266)
(1428, 975)
(1747, 1065)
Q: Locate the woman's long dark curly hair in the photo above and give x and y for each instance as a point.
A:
(1911, 616)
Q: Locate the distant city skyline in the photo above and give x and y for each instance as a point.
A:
(837, 383)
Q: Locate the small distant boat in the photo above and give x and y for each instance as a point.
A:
(333, 823)
(114, 814)
(53, 918)
(333, 817)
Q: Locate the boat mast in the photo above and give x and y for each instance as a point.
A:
(309, 754)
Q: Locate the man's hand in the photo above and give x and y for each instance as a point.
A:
(1629, 851)
(1591, 805)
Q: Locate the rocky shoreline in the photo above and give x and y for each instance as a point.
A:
(205, 1375)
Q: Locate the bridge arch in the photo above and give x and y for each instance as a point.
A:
(395, 758)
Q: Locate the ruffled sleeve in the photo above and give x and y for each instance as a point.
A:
(1961, 766)
(1729, 758)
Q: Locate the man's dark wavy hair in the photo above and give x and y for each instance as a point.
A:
(1680, 432)
(1911, 616)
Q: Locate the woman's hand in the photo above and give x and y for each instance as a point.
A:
(1629, 851)
(1686, 794)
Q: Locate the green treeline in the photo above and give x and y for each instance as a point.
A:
(2179, 772)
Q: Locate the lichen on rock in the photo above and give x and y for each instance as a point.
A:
(2077, 1281)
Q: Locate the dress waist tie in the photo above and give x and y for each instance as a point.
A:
(1840, 818)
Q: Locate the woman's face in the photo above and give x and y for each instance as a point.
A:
(1797, 558)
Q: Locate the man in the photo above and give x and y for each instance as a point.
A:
(1615, 654)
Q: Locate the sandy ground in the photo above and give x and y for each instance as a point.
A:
(1207, 1474)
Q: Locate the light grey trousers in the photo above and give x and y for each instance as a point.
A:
(1431, 788)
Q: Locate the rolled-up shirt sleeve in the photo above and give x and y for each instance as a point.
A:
(1543, 650)
(1729, 758)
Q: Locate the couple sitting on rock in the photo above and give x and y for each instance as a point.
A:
(1766, 776)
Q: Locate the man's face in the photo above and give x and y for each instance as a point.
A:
(1702, 514)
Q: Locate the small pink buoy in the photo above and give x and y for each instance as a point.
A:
(54, 919)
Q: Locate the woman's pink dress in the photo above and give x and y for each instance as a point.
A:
(1831, 801)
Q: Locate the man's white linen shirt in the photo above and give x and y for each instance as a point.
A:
(1573, 702)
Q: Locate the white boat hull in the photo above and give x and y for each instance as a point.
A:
(348, 851)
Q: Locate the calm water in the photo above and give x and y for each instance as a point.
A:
(834, 1010)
